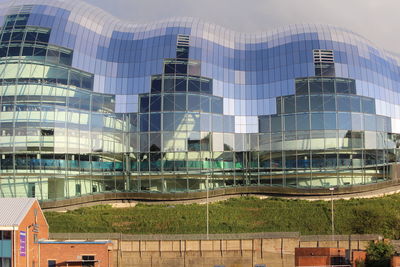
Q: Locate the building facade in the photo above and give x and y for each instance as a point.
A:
(92, 104)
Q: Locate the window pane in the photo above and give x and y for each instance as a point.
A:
(317, 121)
(303, 122)
(289, 105)
(302, 104)
(180, 102)
(343, 103)
(194, 103)
(316, 103)
(330, 121)
(344, 121)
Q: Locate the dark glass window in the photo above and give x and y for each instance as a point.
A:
(329, 103)
(14, 51)
(17, 36)
(181, 68)
(206, 86)
(180, 102)
(155, 122)
(263, 124)
(3, 51)
(302, 104)
(180, 85)
(316, 103)
(155, 103)
(289, 106)
(43, 37)
(276, 124)
(168, 102)
(144, 104)
(316, 87)
(290, 123)
(169, 68)
(87, 82)
(302, 87)
(216, 105)
(169, 84)
(30, 37)
(65, 58)
(27, 51)
(156, 85)
(328, 86)
(144, 122)
(51, 263)
(194, 85)
(40, 52)
(343, 103)
(343, 86)
(5, 38)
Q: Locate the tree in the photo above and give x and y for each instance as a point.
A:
(379, 254)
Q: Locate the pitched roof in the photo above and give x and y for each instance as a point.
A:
(14, 210)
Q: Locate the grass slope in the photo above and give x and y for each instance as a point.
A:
(237, 215)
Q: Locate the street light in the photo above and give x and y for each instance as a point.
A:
(332, 217)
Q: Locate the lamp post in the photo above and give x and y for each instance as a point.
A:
(332, 215)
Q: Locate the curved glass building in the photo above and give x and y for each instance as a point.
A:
(90, 104)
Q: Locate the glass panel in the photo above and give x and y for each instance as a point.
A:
(315, 86)
(330, 121)
(328, 86)
(289, 105)
(316, 103)
(302, 104)
(168, 102)
(168, 121)
(344, 121)
(303, 122)
(263, 124)
(155, 122)
(368, 105)
(343, 103)
(205, 103)
(155, 103)
(290, 123)
(369, 122)
(317, 121)
(355, 104)
(144, 104)
(180, 85)
(301, 86)
(180, 102)
(276, 125)
(194, 103)
(216, 105)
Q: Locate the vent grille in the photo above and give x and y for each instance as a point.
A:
(323, 56)
(183, 40)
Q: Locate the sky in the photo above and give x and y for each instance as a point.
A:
(377, 20)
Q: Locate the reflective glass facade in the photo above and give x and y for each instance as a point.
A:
(91, 104)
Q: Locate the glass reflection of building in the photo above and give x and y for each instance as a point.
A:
(91, 104)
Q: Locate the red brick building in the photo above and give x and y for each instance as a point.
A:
(24, 234)
(320, 257)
